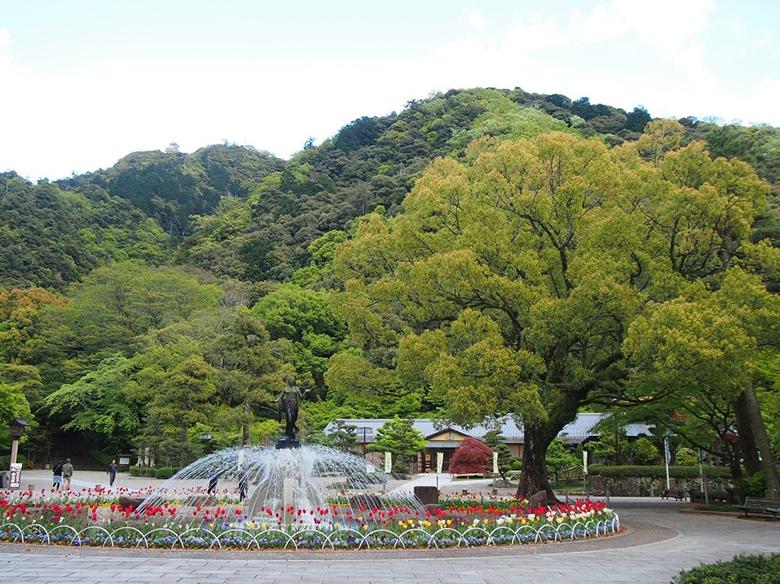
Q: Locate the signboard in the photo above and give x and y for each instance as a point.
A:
(388, 462)
(124, 461)
(495, 462)
(15, 475)
(584, 462)
(439, 462)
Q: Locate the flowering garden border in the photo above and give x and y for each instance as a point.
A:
(306, 538)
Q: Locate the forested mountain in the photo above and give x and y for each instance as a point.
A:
(50, 236)
(168, 296)
(248, 215)
(171, 186)
(373, 162)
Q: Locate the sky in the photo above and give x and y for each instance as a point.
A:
(83, 83)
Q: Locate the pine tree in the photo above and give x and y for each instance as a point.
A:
(401, 439)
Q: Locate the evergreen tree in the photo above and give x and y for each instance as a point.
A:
(495, 440)
(184, 400)
(343, 436)
(401, 439)
(559, 458)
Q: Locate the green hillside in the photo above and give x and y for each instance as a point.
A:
(50, 236)
(171, 186)
(373, 162)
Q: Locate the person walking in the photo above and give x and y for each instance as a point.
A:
(112, 473)
(57, 476)
(213, 484)
(67, 474)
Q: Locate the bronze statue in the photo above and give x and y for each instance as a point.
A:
(289, 400)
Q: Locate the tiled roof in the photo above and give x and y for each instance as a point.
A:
(575, 432)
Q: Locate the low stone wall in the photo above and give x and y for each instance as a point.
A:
(650, 487)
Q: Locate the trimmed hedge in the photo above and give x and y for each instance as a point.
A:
(657, 471)
(165, 472)
(160, 472)
(741, 570)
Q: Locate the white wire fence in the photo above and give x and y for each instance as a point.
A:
(307, 538)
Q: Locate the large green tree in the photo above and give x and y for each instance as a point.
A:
(510, 281)
(185, 399)
(16, 384)
(101, 402)
(304, 320)
(110, 312)
(248, 371)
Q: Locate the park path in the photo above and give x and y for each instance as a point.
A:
(695, 539)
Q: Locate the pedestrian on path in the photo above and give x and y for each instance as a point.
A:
(67, 474)
(213, 484)
(57, 476)
(112, 473)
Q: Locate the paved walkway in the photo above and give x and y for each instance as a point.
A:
(685, 541)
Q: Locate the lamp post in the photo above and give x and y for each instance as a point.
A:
(206, 439)
(17, 429)
(15, 469)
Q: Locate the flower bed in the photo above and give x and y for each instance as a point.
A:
(90, 518)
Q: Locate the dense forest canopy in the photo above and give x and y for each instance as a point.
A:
(482, 251)
(171, 186)
(50, 236)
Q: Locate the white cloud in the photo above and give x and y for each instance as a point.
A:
(5, 38)
(477, 20)
(668, 28)
(666, 32)
(757, 107)
(664, 25)
(89, 116)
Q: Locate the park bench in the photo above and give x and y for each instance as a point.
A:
(759, 506)
(712, 496)
(678, 494)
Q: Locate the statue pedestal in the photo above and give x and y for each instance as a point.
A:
(287, 442)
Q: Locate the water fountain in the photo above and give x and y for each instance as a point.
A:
(306, 485)
(286, 484)
(290, 496)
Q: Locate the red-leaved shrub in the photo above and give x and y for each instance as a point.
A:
(471, 457)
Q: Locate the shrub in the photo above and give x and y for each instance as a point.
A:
(471, 457)
(165, 472)
(742, 569)
(146, 471)
(644, 452)
(559, 458)
(658, 471)
(686, 456)
(753, 485)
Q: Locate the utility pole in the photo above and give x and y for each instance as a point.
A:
(667, 456)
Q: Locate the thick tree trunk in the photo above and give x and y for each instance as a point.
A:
(734, 466)
(534, 475)
(747, 440)
(762, 441)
